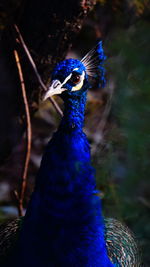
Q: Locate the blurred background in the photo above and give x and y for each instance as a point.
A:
(116, 123)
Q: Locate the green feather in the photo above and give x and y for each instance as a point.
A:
(121, 244)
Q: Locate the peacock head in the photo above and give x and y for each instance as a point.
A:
(71, 76)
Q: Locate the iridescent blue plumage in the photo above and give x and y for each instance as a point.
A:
(101, 69)
(63, 225)
(64, 68)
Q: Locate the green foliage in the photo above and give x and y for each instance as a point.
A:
(124, 174)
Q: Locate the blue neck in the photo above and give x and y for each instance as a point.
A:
(63, 225)
(74, 111)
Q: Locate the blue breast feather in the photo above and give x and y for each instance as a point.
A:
(64, 216)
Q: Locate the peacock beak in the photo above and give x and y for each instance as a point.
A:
(54, 89)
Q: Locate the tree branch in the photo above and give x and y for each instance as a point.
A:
(29, 137)
(58, 109)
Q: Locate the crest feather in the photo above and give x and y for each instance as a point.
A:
(93, 62)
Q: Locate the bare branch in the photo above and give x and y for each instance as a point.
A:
(58, 109)
(29, 137)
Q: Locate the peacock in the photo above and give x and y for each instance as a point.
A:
(63, 225)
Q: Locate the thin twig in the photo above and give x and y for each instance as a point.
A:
(58, 109)
(29, 136)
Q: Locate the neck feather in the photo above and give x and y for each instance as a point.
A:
(74, 111)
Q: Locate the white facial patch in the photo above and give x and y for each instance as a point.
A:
(67, 78)
(80, 84)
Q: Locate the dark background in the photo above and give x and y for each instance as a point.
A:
(117, 117)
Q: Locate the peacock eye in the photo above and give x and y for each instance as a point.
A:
(75, 78)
